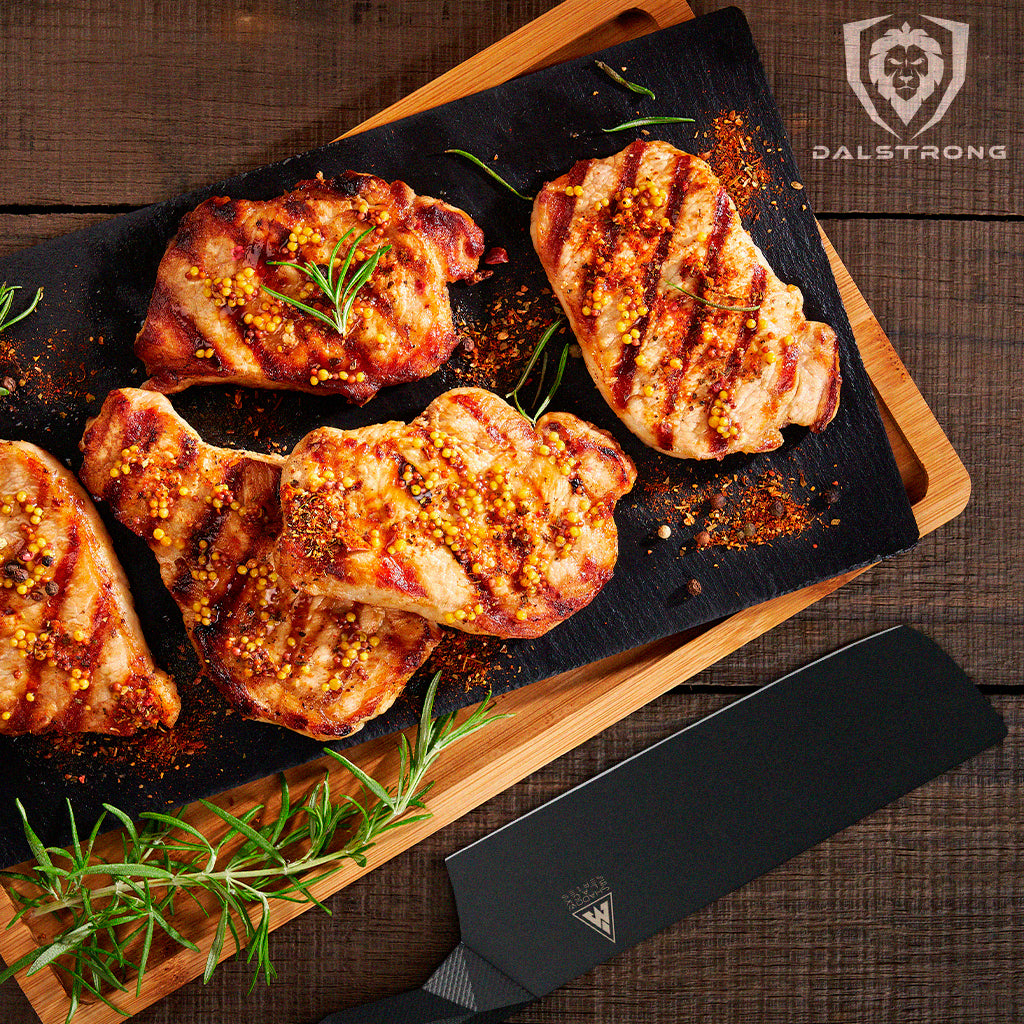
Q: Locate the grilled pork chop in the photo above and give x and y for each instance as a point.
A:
(317, 665)
(644, 249)
(467, 516)
(72, 655)
(211, 321)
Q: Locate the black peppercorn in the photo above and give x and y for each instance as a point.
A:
(749, 531)
(693, 588)
(703, 539)
(778, 509)
(718, 501)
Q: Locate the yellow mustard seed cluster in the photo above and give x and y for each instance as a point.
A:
(720, 416)
(320, 374)
(640, 209)
(28, 562)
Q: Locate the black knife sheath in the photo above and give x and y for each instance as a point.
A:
(693, 818)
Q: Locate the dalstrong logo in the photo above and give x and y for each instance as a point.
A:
(906, 70)
(599, 915)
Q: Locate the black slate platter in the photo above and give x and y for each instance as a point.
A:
(78, 346)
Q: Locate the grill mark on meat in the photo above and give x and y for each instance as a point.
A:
(561, 210)
(758, 286)
(829, 403)
(734, 364)
(698, 311)
(442, 226)
(206, 529)
(54, 608)
(625, 370)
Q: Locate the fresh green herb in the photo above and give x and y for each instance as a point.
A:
(341, 293)
(708, 302)
(514, 393)
(111, 925)
(641, 121)
(616, 77)
(487, 170)
(7, 298)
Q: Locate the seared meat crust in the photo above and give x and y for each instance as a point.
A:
(210, 321)
(691, 380)
(317, 665)
(468, 515)
(72, 654)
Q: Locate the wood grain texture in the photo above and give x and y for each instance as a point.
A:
(802, 49)
(926, 928)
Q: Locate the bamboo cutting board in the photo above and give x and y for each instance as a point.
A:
(557, 714)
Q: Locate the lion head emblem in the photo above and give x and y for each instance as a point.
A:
(905, 66)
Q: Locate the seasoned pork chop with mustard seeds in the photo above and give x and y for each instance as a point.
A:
(72, 655)
(693, 341)
(469, 515)
(210, 320)
(317, 665)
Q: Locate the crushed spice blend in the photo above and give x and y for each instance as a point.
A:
(735, 156)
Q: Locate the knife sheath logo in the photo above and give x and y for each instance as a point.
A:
(599, 915)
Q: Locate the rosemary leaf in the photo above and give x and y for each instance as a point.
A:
(114, 909)
(616, 77)
(558, 381)
(641, 121)
(487, 170)
(708, 302)
(514, 393)
(6, 301)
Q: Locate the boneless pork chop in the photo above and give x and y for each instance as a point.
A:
(210, 319)
(318, 665)
(693, 341)
(469, 515)
(72, 655)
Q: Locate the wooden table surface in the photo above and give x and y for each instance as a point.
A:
(915, 914)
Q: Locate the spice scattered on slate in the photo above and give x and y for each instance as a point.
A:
(735, 156)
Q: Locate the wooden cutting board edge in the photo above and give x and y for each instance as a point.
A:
(555, 715)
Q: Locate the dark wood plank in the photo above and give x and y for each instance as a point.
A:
(100, 108)
(104, 106)
(802, 49)
(21, 230)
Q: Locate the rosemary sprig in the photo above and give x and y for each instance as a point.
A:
(487, 170)
(641, 121)
(514, 393)
(6, 300)
(341, 292)
(708, 302)
(111, 926)
(616, 77)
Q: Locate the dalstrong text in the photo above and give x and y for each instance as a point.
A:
(909, 152)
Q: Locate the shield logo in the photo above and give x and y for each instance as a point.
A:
(913, 73)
